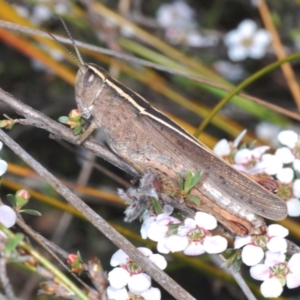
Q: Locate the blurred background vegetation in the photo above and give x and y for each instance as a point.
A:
(41, 74)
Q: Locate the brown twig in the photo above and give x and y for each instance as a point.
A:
(279, 51)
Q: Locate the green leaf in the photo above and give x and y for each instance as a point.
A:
(187, 183)
(77, 130)
(12, 199)
(13, 242)
(31, 212)
(191, 181)
(63, 119)
(157, 207)
(180, 181)
(195, 179)
(194, 198)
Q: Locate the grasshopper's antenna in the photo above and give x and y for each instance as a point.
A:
(72, 40)
(69, 52)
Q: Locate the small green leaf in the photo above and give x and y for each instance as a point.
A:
(31, 212)
(63, 119)
(237, 265)
(12, 199)
(180, 181)
(13, 242)
(187, 183)
(194, 198)
(77, 130)
(157, 207)
(195, 179)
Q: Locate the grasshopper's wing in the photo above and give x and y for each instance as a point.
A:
(182, 148)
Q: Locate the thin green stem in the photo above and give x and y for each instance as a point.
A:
(49, 266)
(241, 86)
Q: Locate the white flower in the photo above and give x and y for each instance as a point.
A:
(128, 272)
(247, 41)
(276, 272)
(177, 14)
(196, 237)
(253, 251)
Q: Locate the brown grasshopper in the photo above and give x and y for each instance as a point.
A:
(150, 142)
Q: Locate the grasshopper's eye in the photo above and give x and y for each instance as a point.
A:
(89, 78)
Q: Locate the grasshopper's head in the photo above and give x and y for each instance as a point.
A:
(90, 80)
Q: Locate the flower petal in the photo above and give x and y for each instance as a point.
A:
(247, 28)
(243, 156)
(146, 251)
(194, 249)
(118, 277)
(271, 288)
(8, 217)
(260, 272)
(237, 53)
(152, 294)
(215, 244)
(161, 247)
(277, 230)
(241, 241)
(158, 260)
(252, 255)
(294, 263)
(176, 243)
(277, 244)
(118, 258)
(288, 138)
(238, 139)
(222, 148)
(296, 165)
(139, 283)
(292, 280)
(272, 164)
(285, 155)
(3, 166)
(205, 220)
(117, 294)
(273, 258)
(293, 207)
(285, 175)
(296, 188)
